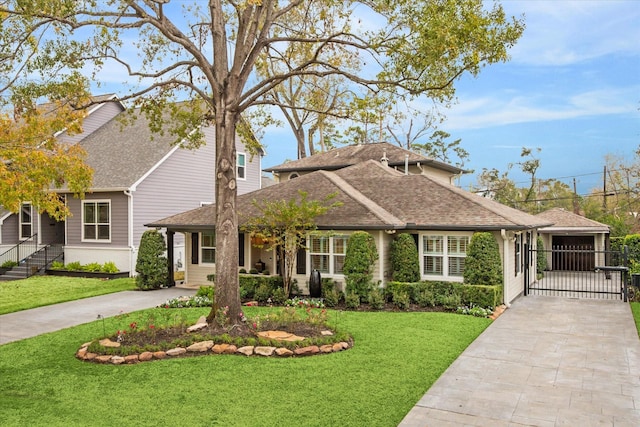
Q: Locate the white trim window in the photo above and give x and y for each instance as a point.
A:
(443, 255)
(326, 253)
(208, 247)
(241, 166)
(26, 220)
(96, 220)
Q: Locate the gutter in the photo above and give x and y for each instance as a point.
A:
(132, 263)
(505, 258)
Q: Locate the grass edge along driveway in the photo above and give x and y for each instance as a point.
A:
(38, 291)
(396, 358)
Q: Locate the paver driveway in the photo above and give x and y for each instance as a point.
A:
(547, 361)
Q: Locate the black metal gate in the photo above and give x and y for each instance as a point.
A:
(576, 272)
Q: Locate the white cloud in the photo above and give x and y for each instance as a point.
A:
(561, 32)
(496, 111)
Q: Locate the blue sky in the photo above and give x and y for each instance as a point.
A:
(571, 88)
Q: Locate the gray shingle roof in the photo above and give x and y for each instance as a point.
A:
(563, 219)
(121, 154)
(338, 158)
(375, 197)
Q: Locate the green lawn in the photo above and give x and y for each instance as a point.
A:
(635, 309)
(38, 291)
(396, 358)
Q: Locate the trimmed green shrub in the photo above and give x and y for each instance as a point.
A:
(278, 296)
(206, 291)
(401, 299)
(616, 243)
(632, 241)
(481, 296)
(541, 256)
(358, 263)
(376, 299)
(262, 293)
(425, 298)
(352, 300)
(483, 266)
(9, 264)
(432, 293)
(151, 265)
(451, 301)
(405, 262)
(330, 292)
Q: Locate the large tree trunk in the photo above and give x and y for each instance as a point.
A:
(227, 291)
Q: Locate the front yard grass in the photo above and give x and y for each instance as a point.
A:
(38, 291)
(635, 309)
(396, 358)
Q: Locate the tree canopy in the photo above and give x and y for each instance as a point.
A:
(209, 53)
(37, 101)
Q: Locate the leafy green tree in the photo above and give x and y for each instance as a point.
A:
(438, 148)
(405, 262)
(284, 226)
(359, 262)
(482, 265)
(34, 106)
(151, 265)
(208, 53)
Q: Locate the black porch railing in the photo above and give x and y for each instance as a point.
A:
(21, 251)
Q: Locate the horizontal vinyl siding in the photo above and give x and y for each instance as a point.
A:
(182, 182)
(96, 119)
(253, 170)
(10, 234)
(119, 220)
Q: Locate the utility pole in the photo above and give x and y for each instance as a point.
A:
(576, 207)
(604, 190)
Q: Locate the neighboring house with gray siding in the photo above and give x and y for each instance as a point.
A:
(138, 177)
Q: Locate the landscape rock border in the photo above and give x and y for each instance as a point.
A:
(208, 348)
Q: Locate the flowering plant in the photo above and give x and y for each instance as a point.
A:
(304, 302)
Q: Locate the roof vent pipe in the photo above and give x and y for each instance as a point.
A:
(406, 164)
(384, 160)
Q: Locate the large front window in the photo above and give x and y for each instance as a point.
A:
(96, 220)
(208, 248)
(444, 255)
(327, 253)
(26, 221)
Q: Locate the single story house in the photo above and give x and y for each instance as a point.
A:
(395, 157)
(138, 177)
(382, 201)
(579, 243)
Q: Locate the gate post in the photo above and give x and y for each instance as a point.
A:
(527, 267)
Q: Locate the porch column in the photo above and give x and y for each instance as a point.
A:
(171, 281)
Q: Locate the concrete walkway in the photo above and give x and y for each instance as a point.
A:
(29, 323)
(545, 362)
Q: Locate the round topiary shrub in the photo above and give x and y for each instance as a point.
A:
(151, 265)
(483, 265)
(405, 262)
(358, 264)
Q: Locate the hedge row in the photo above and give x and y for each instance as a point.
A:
(476, 295)
(261, 288)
